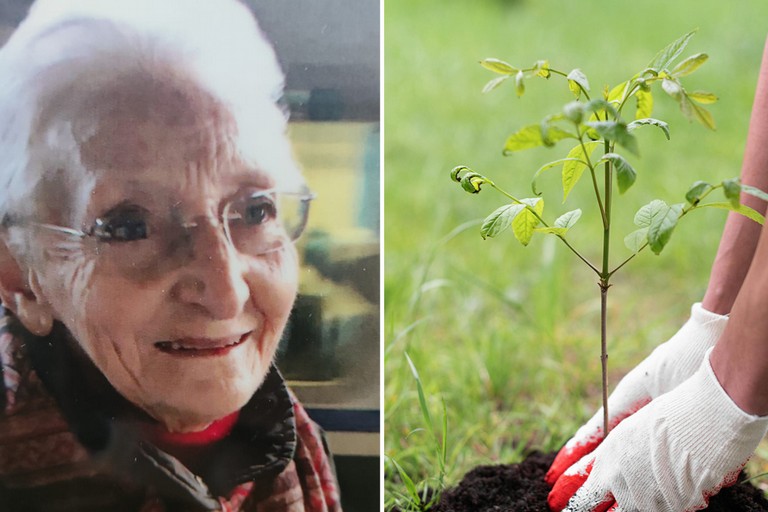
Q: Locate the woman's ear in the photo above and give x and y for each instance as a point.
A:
(20, 292)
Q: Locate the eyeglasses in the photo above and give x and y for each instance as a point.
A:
(255, 223)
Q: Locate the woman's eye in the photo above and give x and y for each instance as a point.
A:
(258, 210)
(123, 224)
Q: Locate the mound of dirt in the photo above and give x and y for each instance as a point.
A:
(521, 488)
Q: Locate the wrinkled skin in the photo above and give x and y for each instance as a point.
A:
(158, 146)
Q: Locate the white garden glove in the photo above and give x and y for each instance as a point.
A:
(668, 365)
(671, 456)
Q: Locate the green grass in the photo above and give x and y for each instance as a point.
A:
(509, 336)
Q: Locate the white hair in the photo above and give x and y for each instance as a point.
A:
(67, 49)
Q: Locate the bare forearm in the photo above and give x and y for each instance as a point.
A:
(739, 240)
(740, 357)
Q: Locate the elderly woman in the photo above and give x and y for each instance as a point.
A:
(149, 204)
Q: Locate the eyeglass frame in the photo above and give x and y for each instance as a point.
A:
(306, 196)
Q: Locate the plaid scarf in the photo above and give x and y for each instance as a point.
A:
(69, 442)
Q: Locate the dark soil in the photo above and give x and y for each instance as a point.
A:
(521, 488)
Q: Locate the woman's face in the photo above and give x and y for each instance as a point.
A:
(188, 337)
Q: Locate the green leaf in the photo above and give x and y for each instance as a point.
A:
(525, 138)
(499, 66)
(649, 121)
(494, 83)
(689, 65)
(549, 165)
(636, 240)
(568, 219)
(552, 231)
(526, 221)
(575, 164)
(666, 56)
(732, 191)
(644, 104)
(577, 81)
(519, 83)
(697, 189)
(702, 115)
(645, 215)
(422, 399)
(407, 481)
(754, 191)
(472, 181)
(703, 97)
(617, 132)
(673, 88)
(625, 173)
(456, 170)
(499, 220)
(662, 225)
(741, 209)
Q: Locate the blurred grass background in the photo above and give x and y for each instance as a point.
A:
(509, 336)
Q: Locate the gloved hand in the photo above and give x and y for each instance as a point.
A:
(668, 365)
(671, 456)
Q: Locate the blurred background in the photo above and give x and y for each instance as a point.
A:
(330, 353)
(508, 336)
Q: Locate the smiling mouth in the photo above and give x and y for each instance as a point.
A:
(201, 347)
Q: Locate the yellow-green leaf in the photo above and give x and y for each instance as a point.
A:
(741, 209)
(525, 138)
(575, 164)
(689, 65)
(644, 104)
(519, 83)
(499, 66)
(526, 221)
(549, 165)
(617, 93)
(543, 68)
(703, 116)
(702, 97)
(494, 83)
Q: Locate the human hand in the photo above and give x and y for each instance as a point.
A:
(670, 364)
(673, 455)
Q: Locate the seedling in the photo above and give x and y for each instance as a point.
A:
(601, 122)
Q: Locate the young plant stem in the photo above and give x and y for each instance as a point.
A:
(605, 276)
(604, 350)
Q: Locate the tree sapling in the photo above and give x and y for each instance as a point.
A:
(600, 122)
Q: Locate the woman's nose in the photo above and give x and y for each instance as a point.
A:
(214, 278)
